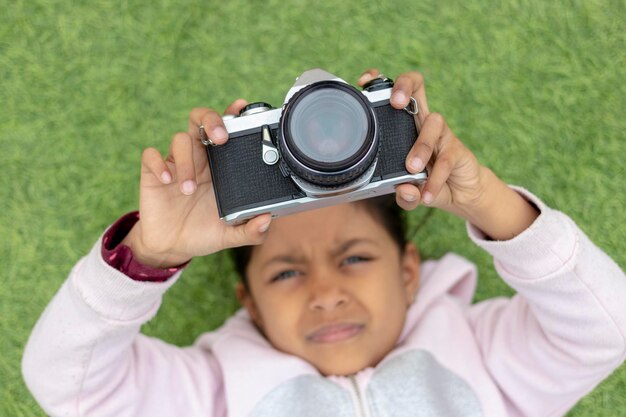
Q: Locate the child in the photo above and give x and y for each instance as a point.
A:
(341, 318)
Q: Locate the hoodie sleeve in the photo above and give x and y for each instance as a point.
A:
(565, 329)
(86, 357)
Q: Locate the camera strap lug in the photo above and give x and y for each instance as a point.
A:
(270, 153)
(411, 108)
(206, 141)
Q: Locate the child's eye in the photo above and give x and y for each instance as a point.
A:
(354, 259)
(285, 275)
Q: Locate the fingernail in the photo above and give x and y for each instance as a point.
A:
(189, 187)
(416, 164)
(408, 196)
(166, 178)
(427, 197)
(399, 97)
(263, 228)
(365, 78)
(219, 133)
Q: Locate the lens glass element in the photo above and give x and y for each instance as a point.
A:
(328, 125)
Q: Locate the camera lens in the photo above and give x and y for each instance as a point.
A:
(328, 126)
(328, 133)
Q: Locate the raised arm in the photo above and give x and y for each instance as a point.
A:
(565, 329)
(85, 356)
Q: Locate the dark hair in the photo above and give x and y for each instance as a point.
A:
(384, 209)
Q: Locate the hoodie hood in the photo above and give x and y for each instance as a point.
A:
(252, 367)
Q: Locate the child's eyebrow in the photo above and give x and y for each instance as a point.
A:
(344, 247)
(287, 259)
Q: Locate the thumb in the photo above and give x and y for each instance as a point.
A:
(251, 233)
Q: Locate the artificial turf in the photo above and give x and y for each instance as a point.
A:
(536, 89)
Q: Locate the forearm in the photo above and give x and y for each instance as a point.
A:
(565, 330)
(83, 339)
(499, 212)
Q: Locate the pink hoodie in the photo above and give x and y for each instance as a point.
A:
(535, 354)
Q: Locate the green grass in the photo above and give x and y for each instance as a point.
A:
(536, 89)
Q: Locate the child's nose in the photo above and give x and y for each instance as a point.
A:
(326, 294)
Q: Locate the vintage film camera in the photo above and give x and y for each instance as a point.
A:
(329, 143)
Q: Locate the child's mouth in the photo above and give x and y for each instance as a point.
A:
(335, 332)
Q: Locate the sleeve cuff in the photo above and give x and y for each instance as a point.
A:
(542, 249)
(121, 257)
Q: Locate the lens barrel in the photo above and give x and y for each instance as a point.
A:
(328, 134)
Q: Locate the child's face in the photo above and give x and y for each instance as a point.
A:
(331, 287)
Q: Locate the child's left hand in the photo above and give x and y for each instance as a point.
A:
(457, 182)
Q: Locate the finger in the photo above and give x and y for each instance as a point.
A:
(439, 175)
(368, 76)
(430, 135)
(181, 154)
(212, 122)
(152, 163)
(407, 196)
(235, 107)
(407, 85)
(251, 233)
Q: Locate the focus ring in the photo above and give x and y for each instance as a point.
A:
(324, 172)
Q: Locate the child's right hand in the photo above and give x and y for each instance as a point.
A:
(178, 211)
